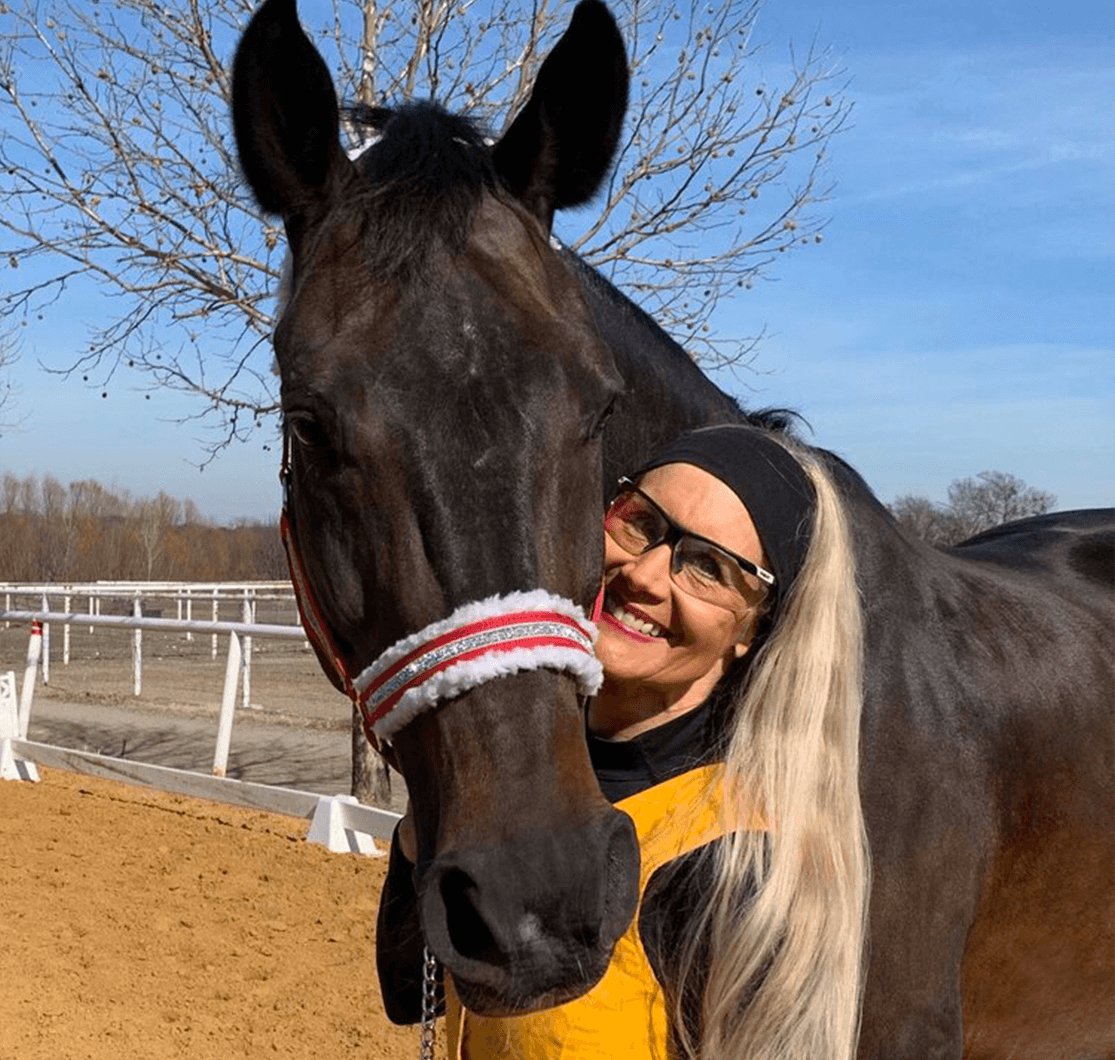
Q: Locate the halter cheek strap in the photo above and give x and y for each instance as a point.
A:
(317, 632)
(490, 638)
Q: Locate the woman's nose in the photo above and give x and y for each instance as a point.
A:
(650, 571)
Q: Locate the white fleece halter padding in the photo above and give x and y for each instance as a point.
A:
(497, 652)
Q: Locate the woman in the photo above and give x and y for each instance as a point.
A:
(727, 727)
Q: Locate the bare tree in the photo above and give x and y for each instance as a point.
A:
(920, 516)
(57, 540)
(974, 505)
(994, 497)
(116, 172)
(153, 518)
(8, 355)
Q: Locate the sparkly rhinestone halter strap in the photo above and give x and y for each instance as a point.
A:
(490, 638)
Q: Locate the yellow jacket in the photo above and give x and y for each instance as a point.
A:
(624, 1016)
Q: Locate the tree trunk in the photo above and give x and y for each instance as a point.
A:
(371, 780)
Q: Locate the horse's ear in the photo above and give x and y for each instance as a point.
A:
(284, 110)
(560, 146)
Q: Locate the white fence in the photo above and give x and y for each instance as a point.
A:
(245, 596)
(238, 634)
(339, 822)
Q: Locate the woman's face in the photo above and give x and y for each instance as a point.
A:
(659, 645)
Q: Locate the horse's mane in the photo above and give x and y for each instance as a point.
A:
(424, 175)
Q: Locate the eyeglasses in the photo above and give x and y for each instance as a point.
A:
(698, 566)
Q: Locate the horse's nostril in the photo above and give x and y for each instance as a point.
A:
(622, 878)
(468, 931)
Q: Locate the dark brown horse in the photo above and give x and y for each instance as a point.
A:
(458, 396)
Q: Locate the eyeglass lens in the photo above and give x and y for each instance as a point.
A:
(697, 567)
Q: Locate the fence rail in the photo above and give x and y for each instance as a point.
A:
(238, 664)
(128, 588)
(167, 625)
(138, 622)
(339, 822)
(184, 595)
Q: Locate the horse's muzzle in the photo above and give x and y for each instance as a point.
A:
(532, 924)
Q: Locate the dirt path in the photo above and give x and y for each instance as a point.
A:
(144, 925)
(263, 750)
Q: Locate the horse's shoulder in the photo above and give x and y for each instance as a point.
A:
(975, 639)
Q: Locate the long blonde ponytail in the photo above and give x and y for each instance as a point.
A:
(786, 970)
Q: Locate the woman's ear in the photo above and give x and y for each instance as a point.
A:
(755, 622)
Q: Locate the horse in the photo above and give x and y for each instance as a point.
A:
(459, 392)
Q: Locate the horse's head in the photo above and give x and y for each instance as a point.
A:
(444, 389)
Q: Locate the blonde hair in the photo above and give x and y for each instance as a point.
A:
(785, 977)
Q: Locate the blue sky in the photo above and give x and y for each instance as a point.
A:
(959, 315)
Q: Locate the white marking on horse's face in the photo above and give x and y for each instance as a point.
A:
(530, 928)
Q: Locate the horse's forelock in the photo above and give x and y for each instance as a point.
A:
(424, 176)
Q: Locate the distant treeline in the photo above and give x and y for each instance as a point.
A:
(974, 505)
(88, 532)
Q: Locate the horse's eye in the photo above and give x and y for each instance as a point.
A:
(602, 420)
(308, 432)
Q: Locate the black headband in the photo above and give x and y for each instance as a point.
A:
(771, 484)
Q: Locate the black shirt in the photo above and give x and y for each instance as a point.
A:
(625, 767)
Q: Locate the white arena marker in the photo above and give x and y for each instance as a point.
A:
(12, 767)
(330, 827)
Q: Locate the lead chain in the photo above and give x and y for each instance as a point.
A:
(429, 1005)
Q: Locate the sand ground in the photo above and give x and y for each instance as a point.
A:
(140, 924)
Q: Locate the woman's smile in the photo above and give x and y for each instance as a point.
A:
(631, 620)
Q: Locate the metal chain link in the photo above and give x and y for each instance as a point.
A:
(429, 1005)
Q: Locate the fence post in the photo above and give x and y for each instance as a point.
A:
(46, 644)
(246, 662)
(66, 633)
(34, 654)
(12, 766)
(228, 707)
(216, 617)
(137, 648)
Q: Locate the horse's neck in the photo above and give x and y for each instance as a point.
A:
(664, 393)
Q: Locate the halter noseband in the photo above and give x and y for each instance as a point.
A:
(490, 638)
(495, 637)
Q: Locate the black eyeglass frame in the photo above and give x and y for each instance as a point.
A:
(674, 533)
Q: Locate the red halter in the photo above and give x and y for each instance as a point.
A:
(479, 641)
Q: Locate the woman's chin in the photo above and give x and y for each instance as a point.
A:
(626, 655)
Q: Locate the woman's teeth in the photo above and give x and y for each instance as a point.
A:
(649, 629)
